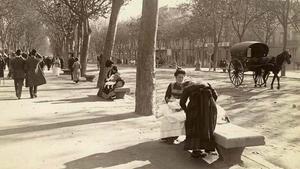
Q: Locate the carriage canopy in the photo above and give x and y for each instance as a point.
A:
(240, 50)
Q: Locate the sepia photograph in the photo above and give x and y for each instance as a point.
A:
(150, 84)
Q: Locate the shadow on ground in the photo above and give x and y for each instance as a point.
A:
(89, 98)
(148, 155)
(73, 123)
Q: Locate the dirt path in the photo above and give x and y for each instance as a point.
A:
(67, 126)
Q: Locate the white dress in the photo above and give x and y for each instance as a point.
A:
(172, 119)
(56, 68)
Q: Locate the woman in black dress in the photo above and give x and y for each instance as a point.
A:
(201, 117)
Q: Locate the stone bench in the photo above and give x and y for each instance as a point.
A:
(120, 92)
(66, 71)
(231, 141)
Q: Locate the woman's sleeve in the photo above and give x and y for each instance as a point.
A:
(183, 100)
(168, 93)
(214, 94)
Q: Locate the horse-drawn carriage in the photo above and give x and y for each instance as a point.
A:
(252, 56)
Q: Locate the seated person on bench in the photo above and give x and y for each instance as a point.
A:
(170, 114)
(113, 82)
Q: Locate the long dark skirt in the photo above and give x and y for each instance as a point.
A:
(200, 122)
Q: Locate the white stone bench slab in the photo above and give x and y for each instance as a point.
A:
(232, 139)
(231, 136)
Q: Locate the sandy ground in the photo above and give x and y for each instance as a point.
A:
(67, 126)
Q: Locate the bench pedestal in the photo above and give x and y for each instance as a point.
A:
(230, 155)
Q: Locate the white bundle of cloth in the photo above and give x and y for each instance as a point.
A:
(172, 118)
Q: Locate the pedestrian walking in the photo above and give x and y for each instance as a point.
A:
(48, 62)
(70, 64)
(34, 75)
(76, 70)
(61, 63)
(17, 69)
(8, 62)
(212, 63)
(56, 66)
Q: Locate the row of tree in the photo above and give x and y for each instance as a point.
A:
(66, 24)
(215, 21)
(232, 20)
(19, 26)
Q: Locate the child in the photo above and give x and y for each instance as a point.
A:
(113, 82)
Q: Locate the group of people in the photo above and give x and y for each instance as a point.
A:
(26, 67)
(196, 119)
(74, 67)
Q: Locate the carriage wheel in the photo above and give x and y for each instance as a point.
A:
(236, 72)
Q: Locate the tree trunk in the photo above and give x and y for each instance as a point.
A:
(198, 64)
(109, 42)
(285, 32)
(203, 55)
(85, 46)
(146, 59)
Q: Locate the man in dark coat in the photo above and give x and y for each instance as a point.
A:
(201, 117)
(61, 62)
(17, 68)
(35, 77)
(71, 61)
(48, 62)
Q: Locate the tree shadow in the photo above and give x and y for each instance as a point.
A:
(148, 155)
(13, 98)
(71, 88)
(4, 86)
(64, 124)
(89, 98)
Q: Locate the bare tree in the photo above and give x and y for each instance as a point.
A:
(243, 13)
(109, 42)
(216, 14)
(286, 12)
(265, 26)
(146, 59)
(85, 10)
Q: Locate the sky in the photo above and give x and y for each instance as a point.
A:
(134, 8)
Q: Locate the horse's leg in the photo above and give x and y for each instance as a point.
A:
(273, 81)
(278, 82)
(264, 78)
(255, 79)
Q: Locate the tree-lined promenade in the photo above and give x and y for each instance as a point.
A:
(199, 33)
(67, 126)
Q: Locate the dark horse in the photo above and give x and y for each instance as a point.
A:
(274, 65)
